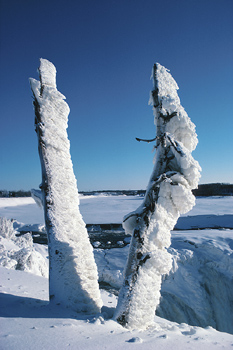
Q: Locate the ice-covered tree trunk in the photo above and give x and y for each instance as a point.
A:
(73, 277)
(168, 195)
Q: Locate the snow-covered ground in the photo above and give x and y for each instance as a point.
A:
(198, 290)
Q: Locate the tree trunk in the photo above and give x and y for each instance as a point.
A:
(168, 194)
(73, 277)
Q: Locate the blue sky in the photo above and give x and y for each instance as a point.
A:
(104, 52)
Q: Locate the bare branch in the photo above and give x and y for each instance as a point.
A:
(145, 140)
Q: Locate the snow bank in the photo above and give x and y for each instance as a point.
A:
(19, 253)
(199, 288)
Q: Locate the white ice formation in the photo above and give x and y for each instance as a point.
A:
(19, 252)
(168, 195)
(73, 277)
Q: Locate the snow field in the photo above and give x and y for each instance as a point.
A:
(28, 322)
(201, 261)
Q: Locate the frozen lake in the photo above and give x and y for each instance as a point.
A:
(103, 209)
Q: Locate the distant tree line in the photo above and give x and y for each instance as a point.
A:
(205, 190)
(115, 192)
(10, 194)
(214, 189)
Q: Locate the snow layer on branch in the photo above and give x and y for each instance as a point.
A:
(188, 166)
(73, 272)
(167, 89)
(47, 73)
(168, 101)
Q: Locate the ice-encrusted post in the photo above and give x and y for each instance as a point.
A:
(73, 277)
(168, 195)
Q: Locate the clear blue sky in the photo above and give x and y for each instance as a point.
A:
(104, 52)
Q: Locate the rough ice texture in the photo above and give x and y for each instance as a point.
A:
(73, 277)
(168, 195)
(47, 73)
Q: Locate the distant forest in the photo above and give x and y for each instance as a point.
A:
(206, 190)
(10, 194)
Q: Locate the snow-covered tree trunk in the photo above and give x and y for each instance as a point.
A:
(168, 195)
(73, 277)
